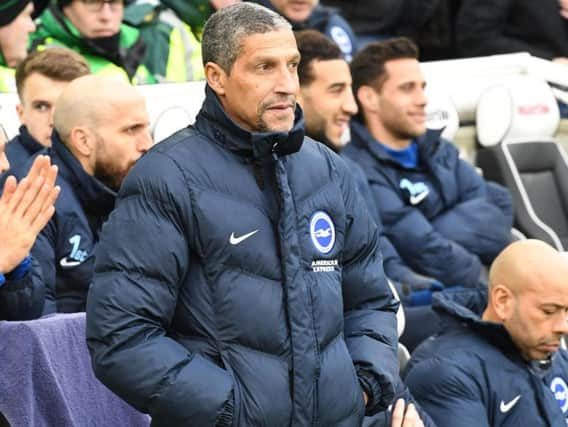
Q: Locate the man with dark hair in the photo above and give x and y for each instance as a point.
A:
(443, 218)
(497, 360)
(94, 29)
(15, 25)
(40, 78)
(325, 89)
(308, 14)
(94, 149)
(264, 301)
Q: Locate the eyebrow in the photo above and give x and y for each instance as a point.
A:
(338, 85)
(555, 305)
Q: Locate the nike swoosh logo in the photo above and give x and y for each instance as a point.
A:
(234, 240)
(506, 407)
(414, 200)
(66, 263)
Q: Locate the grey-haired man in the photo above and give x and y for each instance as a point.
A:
(237, 282)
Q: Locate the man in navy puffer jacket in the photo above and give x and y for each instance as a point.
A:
(237, 282)
(443, 218)
(496, 361)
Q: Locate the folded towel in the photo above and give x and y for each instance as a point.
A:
(46, 378)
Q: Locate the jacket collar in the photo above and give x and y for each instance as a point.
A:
(428, 143)
(465, 307)
(214, 123)
(96, 198)
(28, 141)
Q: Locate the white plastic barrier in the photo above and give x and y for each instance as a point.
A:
(459, 81)
(464, 80)
(171, 107)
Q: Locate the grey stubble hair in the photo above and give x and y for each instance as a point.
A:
(224, 31)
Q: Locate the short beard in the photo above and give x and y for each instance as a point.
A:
(102, 172)
(261, 124)
(106, 177)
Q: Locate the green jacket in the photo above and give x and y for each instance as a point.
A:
(7, 81)
(194, 13)
(54, 29)
(173, 52)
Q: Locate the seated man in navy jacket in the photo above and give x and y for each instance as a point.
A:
(25, 208)
(444, 219)
(497, 360)
(40, 78)
(328, 103)
(101, 129)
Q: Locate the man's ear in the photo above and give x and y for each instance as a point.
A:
(368, 98)
(81, 141)
(20, 111)
(301, 96)
(216, 78)
(503, 301)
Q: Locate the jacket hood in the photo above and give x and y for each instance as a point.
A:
(214, 122)
(96, 197)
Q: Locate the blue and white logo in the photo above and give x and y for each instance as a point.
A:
(418, 190)
(560, 389)
(322, 232)
(340, 36)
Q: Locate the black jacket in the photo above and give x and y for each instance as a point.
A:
(238, 282)
(19, 150)
(23, 298)
(472, 375)
(488, 27)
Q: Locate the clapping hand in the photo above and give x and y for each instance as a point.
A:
(25, 208)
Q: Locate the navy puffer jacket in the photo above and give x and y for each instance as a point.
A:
(238, 283)
(443, 218)
(471, 374)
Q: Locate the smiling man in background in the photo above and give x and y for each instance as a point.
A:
(443, 218)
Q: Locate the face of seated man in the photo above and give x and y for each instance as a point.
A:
(328, 101)
(529, 296)
(295, 10)
(95, 18)
(35, 110)
(106, 141)
(395, 105)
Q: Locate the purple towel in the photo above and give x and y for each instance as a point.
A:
(46, 378)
